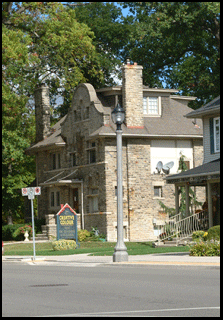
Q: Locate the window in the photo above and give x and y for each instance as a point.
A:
(158, 191)
(73, 159)
(117, 192)
(93, 200)
(187, 163)
(152, 106)
(91, 152)
(55, 198)
(52, 199)
(217, 134)
(55, 161)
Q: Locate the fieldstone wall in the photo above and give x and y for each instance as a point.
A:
(133, 95)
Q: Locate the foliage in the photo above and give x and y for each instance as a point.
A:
(18, 234)
(170, 211)
(112, 34)
(208, 248)
(214, 233)
(199, 235)
(64, 245)
(83, 235)
(41, 42)
(8, 230)
(192, 196)
(178, 42)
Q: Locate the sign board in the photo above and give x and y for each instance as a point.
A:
(31, 192)
(67, 223)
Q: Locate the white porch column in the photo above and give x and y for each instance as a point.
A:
(210, 212)
(187, 199)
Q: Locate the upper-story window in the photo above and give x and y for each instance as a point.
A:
(152, 106)
(217, 134)
(214, 124)
(55, 161)
(91, 152)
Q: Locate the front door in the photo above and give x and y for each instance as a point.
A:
(75, 200)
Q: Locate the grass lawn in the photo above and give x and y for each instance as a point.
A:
(94, 248)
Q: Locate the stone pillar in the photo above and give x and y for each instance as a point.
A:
(42, 112)
(132, 94)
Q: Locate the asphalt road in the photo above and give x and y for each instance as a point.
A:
(152, 291)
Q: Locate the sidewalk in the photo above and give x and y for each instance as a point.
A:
(180, 259)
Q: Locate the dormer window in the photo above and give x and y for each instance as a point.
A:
(152, 106)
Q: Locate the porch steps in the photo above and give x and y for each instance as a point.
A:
(41, 236)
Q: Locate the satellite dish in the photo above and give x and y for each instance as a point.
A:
(159, 166)
(166, 168)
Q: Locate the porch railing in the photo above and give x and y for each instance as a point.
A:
(181, 228)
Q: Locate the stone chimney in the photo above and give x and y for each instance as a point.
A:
(42, 112)
(132, 94)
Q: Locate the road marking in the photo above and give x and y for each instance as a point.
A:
(130, 311)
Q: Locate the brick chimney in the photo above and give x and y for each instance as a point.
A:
(42, 112)
(132, 94)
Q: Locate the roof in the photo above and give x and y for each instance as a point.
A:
(53, 139)
(210, 108)
(208, 169)
(166, 126)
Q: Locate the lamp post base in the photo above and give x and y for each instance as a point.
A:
(120, 256)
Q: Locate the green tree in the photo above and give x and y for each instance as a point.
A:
(41, 42)
(112, 33)
(192, 196)
(178, 42)
(63, 49)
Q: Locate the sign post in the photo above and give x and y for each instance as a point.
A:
(31, 192)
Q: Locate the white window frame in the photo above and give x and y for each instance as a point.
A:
(216, 145)
(146, 106)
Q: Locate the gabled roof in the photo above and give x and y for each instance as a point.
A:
(211, 108)
(208, 169)
(54, 139)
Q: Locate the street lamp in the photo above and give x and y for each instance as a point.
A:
(120, 254)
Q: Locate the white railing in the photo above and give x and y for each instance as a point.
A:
(178, 228)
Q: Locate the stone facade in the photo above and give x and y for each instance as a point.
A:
(80, 169)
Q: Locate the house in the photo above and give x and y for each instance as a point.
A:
(76, 158)
(207, 174)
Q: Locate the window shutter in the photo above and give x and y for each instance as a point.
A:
(211, 122)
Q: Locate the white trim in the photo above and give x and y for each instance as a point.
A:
(215, 134)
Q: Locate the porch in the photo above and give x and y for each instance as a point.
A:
(181, 226)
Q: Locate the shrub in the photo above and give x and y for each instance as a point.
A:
(208, 248)
(83, 235)
(8, 230)
(18, 234)
(64, 245)
(199, 235)
(214, 233)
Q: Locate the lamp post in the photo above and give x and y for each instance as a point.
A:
(120, 254)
